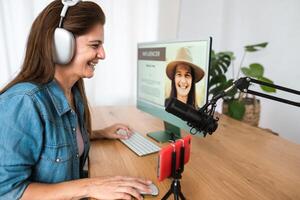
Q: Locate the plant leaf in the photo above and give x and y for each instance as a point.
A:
(246, 71)
(232, 93)
(256, 70)
(217, 79)
(224, 58)
(218, 70)
(250, 49)
(229, 53)
(212, 54)
(219, 64)
(216, 90)
(220, 88)
(236, 109)
(256, 47)
(223, 61)
(266, 88)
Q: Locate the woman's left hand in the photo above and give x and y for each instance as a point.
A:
(110, 132)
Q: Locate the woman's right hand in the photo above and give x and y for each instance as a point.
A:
(118, 187)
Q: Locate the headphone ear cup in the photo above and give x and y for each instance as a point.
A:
(64, 46)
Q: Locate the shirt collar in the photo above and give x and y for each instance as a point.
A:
(60, 101)
(78, 101)
(58, 98)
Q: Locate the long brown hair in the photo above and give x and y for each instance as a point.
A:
(38, 66)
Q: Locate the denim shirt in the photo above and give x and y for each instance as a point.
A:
(38, 137)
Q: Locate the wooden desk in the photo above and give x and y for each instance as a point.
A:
(237, 162)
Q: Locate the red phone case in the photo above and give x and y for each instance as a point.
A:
(164, 169)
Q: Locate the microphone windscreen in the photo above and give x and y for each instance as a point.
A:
(184, 111)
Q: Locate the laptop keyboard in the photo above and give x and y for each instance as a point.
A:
(139, 144)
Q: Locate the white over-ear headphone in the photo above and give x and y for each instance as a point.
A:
(64, 40)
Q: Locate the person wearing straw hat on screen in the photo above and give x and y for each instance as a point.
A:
(184, 74)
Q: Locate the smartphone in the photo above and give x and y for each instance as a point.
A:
(164, 168)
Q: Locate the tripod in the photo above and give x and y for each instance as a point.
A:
(175, 187)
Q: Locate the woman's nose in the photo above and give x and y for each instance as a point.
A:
(101, 53)
(183, 80)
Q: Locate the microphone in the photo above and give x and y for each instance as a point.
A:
(201, 120)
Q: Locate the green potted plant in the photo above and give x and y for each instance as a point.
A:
(237, 104)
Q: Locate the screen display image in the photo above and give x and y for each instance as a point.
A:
(168, 70)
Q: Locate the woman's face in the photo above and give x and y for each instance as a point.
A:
(89, 49)
(183, 79)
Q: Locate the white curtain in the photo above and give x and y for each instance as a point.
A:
(128, 22)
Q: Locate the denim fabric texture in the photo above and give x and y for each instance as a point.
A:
(38, 137)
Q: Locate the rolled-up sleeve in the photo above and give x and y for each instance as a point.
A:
(21, 137)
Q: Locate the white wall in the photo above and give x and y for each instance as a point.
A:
(168, 19)
(127, 23)
(234, 24)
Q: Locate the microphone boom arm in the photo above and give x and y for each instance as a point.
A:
(243, 83)
(203, 120)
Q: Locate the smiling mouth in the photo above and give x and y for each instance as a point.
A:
(92, 64)
(183, 87)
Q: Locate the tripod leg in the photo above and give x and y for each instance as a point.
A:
(167, 194)
(179, 191)
(181, 196)
(176, 189)
(176, 197)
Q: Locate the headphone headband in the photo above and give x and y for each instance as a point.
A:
(70, 2)
(67, 4)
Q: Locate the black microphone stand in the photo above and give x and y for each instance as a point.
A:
(175, 187)
(242, 84)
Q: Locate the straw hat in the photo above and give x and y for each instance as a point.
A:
(184, 56)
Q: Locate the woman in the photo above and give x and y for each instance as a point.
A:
(184, 74)
(45, 123)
